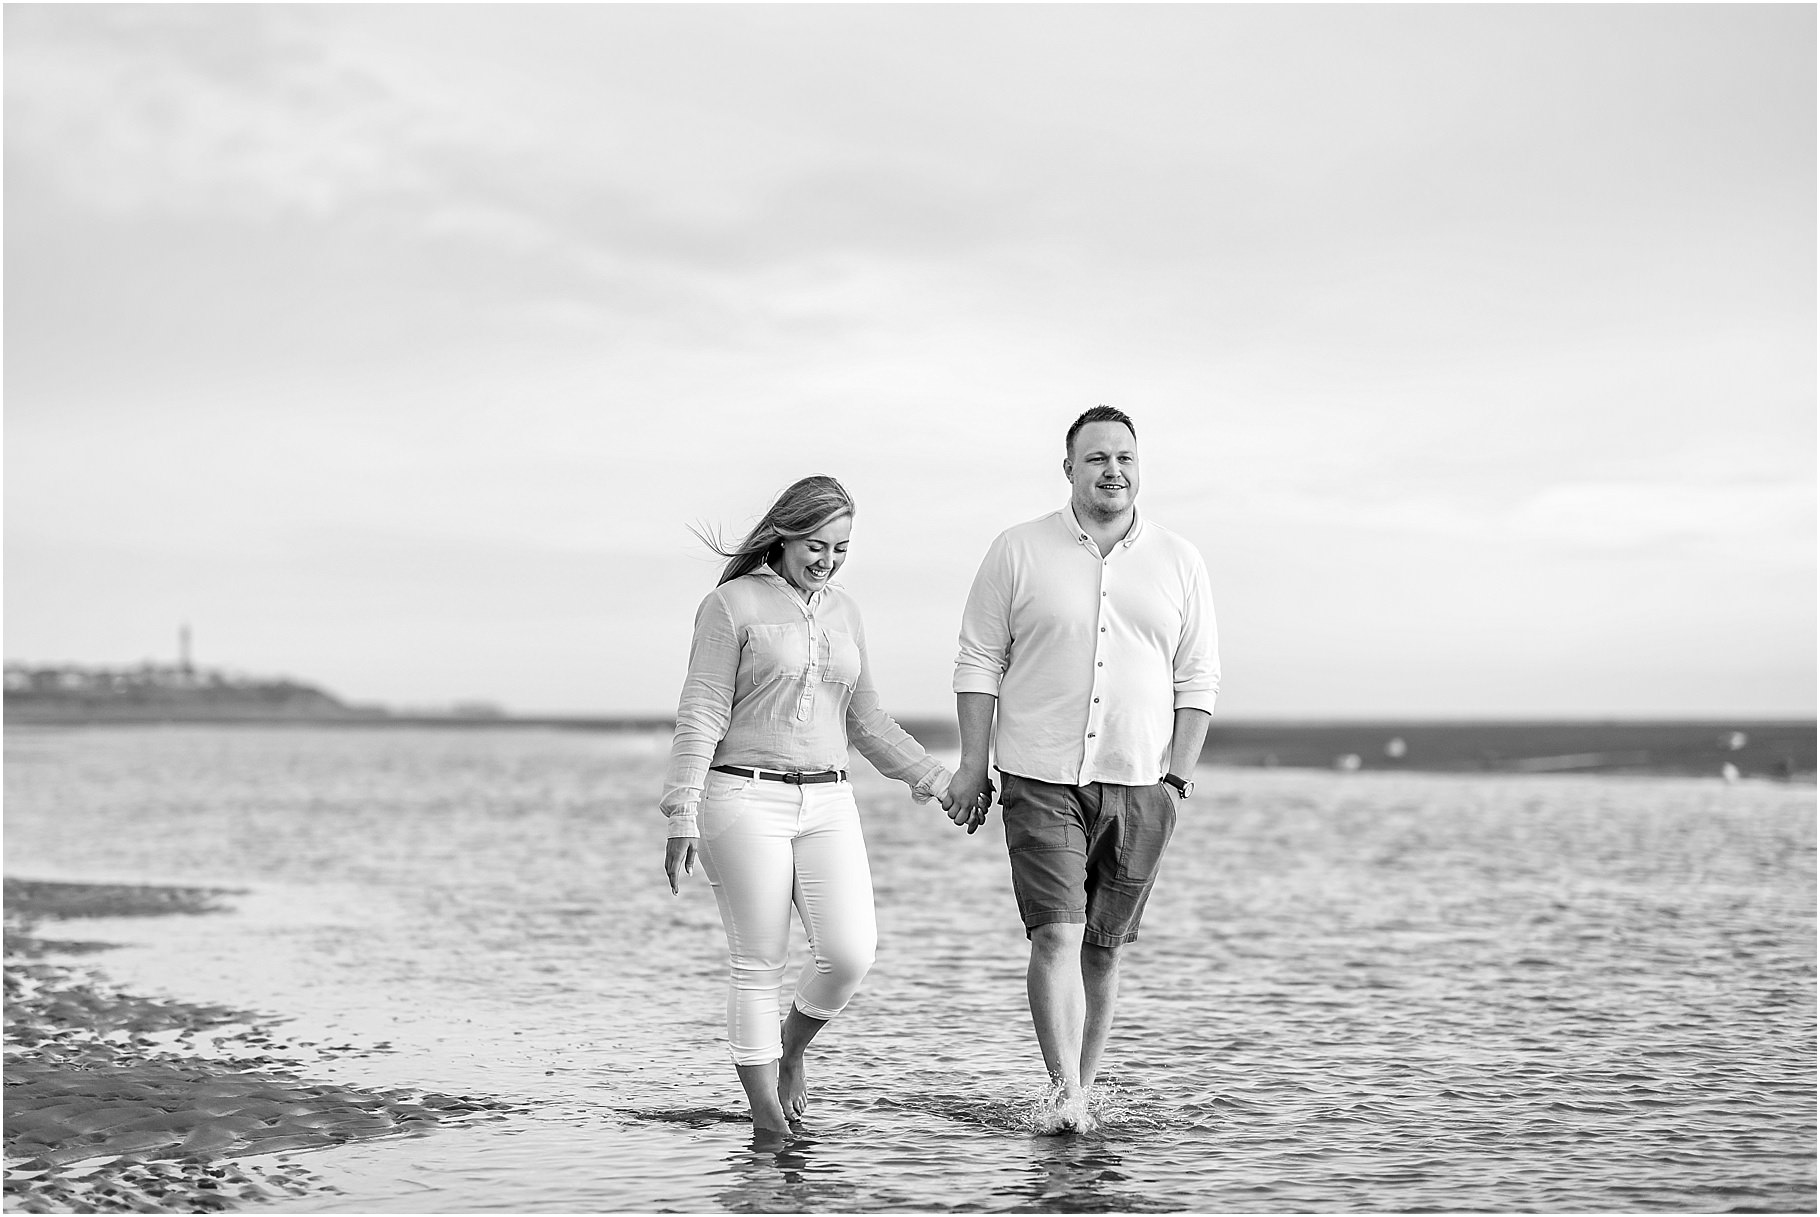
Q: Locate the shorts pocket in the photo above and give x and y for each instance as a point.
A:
(1035, 823)
(1149, 823)
(1027, 833)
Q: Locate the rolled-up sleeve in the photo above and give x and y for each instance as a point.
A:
(892, 750)
(1197, 654)
(702, 713)
(986, 624)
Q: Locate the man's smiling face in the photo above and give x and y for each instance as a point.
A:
(1103, 469)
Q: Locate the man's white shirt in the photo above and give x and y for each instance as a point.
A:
(1089, 654)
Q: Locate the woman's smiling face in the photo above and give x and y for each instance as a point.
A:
(809, 562)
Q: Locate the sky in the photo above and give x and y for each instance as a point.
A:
(396, 348)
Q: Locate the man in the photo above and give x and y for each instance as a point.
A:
(1089, 634)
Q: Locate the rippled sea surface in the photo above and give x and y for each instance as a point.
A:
(1352, 992)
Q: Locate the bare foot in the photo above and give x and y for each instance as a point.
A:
(1076, 1114)
(770, 1127)
(764, 1136)
(1065, 1112)
(792, 1087)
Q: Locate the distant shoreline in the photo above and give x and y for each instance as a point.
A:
(1776, 748)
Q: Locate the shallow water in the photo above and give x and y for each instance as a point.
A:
(1353, 992)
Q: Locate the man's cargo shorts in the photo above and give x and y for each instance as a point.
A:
(1085, 854)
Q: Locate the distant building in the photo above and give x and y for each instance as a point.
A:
(150, 692)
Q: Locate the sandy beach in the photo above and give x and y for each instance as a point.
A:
(117, 1102)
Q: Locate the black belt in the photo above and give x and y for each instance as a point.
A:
(795, 779)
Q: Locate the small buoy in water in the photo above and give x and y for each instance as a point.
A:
(1736, 740)
(1395, 748)
(1349, 762)
(1729, 772)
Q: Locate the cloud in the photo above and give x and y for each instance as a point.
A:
(1492, 295)
(1772, 518)
(177, 110)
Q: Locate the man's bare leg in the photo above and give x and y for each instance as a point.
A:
(1058, 1007)
(1100, 981)
(792, 1085)
(769, 1127)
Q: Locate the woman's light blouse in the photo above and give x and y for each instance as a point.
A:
(777, 682)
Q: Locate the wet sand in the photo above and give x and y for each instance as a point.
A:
(117, 1102)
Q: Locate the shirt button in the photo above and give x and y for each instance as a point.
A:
(1096, 701)
(1090, 735)
(1102, 663)
(1102, 629)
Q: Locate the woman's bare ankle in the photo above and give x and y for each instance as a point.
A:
(792, 1087)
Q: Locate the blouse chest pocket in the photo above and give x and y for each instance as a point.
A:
(840, 658)
(774, 652)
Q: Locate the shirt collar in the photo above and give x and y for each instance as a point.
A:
(808, 606)
(1073, 524)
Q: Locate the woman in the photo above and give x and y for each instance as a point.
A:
(778, 686)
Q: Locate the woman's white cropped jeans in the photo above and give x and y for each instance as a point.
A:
(766, 846)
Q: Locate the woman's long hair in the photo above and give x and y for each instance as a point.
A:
(799, 511)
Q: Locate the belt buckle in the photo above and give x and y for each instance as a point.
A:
(795, 779)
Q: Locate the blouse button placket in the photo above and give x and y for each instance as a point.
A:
(807, 703)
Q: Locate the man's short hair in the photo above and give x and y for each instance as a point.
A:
(1097, 414)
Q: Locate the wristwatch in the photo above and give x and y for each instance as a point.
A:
(1182, 788)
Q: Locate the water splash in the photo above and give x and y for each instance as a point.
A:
(1109, 1108)
(1114, 1107)
(1055, 1113)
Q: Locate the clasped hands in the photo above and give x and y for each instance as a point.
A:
(968, 798)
